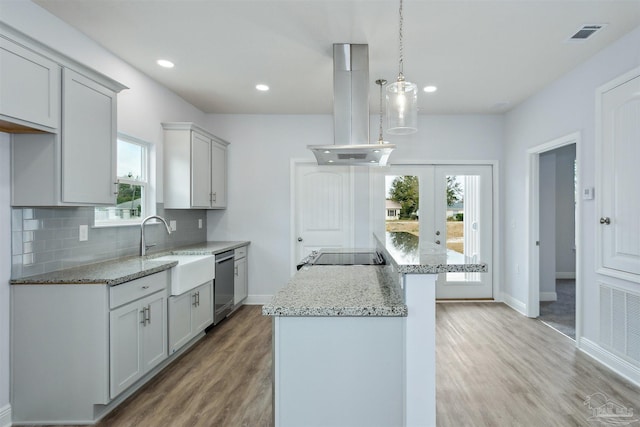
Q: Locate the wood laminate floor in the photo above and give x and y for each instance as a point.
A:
(494, 368)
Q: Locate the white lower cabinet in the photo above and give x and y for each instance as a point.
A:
(138, 335)
(240, 282)
(189, 314)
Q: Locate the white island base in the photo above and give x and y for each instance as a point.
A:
(358, 371)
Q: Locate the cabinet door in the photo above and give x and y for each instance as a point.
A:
(200, 171)
(240, 284)
(619, 222)
(29, 86)
(218, 175)
(203, 309)
(125, 347)
(154, 333)
(180, 323)
(88, 141)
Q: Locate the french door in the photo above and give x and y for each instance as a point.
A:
(452, 206)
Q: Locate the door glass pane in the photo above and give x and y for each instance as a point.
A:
(463, 223)
(402, 213)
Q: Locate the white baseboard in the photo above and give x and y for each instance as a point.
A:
(548, 296)
(565, 275)
(5, 416)
(622, 367)
(517, 305)
(258, 299)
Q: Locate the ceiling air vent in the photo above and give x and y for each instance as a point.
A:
(585, 32)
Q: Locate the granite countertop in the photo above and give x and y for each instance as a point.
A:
(425, 258)
(115, 272)
(330, 290)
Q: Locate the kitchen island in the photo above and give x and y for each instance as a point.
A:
(355, 345)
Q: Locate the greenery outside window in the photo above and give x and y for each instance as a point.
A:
(133, 182)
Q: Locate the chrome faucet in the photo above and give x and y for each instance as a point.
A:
(143, 245)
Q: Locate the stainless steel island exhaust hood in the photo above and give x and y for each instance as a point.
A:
(351, 112)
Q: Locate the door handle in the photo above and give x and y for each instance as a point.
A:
(299, 239)
(605, 220)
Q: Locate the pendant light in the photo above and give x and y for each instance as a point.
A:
(402, 98)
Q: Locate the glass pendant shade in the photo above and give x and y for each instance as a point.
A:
(402, 108)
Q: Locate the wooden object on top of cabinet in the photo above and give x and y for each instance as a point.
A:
(195, 167)
(618, 200)
(29, 90)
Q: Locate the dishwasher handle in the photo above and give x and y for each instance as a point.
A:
(225, 257)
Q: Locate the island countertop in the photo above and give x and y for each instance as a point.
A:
(425, 257)
(331, 290)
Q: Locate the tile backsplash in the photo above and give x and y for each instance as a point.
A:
(47, 239)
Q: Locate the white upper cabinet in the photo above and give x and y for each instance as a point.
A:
(618, 157)
(62, 116)
(195, 168)
(89, 137)
(29, 89)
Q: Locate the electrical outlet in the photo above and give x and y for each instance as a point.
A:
(173, 225)
(199, 223)
(83, 233)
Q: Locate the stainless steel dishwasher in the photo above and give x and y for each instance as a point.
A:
(223, 286)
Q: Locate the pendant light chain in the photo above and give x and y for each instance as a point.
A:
(401, 62)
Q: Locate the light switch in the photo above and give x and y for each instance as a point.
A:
(173, 225)
(83, 233)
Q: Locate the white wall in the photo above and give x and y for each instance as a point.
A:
(547, 233)
(565, 212)
(566, 106)
(261, 149)
(5, 273)
(141, 109)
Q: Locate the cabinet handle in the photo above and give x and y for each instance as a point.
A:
(437, 242)
(144, 316)
(236, 269)
(145, 287)
(198, 298)
(148, 310)
(605, 220)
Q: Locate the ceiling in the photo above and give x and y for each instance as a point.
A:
(484, 56)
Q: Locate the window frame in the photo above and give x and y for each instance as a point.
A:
(144, 182)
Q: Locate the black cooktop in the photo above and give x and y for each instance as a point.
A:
(348, 258)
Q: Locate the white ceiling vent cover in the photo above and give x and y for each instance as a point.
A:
(585, 32)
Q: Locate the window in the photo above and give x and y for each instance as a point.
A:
(133, 183)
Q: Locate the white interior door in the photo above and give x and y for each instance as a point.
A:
(323, 208)
(619, 228)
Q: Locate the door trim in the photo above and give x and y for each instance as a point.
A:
(533, 225)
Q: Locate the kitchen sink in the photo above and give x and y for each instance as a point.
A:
(191, 271)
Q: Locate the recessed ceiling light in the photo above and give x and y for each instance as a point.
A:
(165, 63)
(262, 87)
(329, 161)
(430, 89)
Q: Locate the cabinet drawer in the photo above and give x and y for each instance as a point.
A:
(135, 289)
(240, 252)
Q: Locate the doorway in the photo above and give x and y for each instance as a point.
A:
(447, 205)
(557, 268)
(554, 250)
